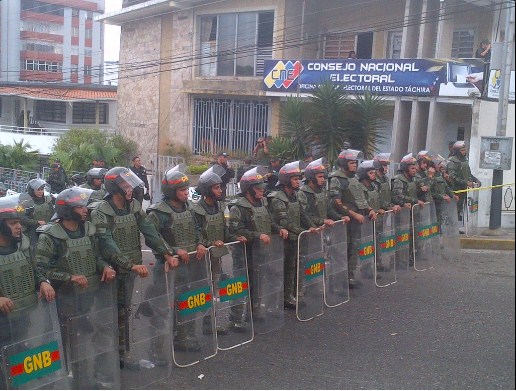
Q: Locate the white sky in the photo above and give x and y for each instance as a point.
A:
(112, 33)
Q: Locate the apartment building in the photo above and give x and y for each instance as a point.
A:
(192, 71)
(54, 43)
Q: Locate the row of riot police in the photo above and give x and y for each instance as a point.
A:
(119, 321)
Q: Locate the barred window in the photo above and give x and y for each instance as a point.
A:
(463, 44)
(84, 113)
(47, 110)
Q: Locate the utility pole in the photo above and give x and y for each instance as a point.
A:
(495, 216)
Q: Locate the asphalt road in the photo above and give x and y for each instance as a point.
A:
(452, 327)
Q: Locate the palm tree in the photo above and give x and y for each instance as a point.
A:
(294, 126)
(366, 113)
(327, 118)
(19, 156)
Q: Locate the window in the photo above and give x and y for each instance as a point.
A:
(75, 31)
(88, 52)
(75, 12)
(75, 68)
(236, 44)
(41, 47)
(87, 70)
(394, 48)
(75, 51)
(463, 44)
(42, 66)
(89, 33)
(338, 45)
(52, 111)
(84, 113)
(42, 7)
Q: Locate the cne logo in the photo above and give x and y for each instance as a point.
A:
(34, 363)
(283, 74)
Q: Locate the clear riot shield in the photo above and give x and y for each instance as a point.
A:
(422, 251)
(31, 349)
(470, 213)
(310, 276)
(403, 239)
(385, 250)
(365, 272)
(232, 298)
(195, 338)
(450, 240)
(267, 285)
(89, 325)
(148, 324)
(335, 246)
(435, 234)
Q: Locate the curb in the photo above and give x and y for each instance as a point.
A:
(487, 244)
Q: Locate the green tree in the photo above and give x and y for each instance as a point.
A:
(282, 148)
(366, 122)
(294, 127)
(77, 148)
(19, 156)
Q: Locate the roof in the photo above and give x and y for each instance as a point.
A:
(59, 93)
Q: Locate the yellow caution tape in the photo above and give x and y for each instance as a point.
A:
(482, 188)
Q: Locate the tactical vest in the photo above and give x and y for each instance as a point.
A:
(293, 209)
(43, 212)
(260, 216)
(214, 229)
(385, 191)
(440, 184)
(17, 277)
(411, 190)
(179, 230)
(372, 196)
(321, 202)
(126, 234)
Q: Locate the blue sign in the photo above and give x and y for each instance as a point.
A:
(408, 77)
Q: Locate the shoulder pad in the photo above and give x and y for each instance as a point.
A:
(135, 206)
(196, 208)
(25, 243)
(282, 196)
(306, 189)
(89, 228)
(234, 201)
(102, 206)
(53, 229)
(336, 173)
(48, 199)
(160, 207)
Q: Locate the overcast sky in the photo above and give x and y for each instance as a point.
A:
(112, 33)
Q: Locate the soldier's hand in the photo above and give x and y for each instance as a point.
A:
(82, 281)
(407, 205)
(372, 214)
(183, 255)
(424, 188)
(201, 251)
(359, 218)
(41, 222)
(141, 270)
(381, 212)
(329, 222)
(6, 305)
(446, 198)
(218, 243)
(456, 197)
(314, 229)
(46, 291)
(242, 239)
(283, 233)
(470, 184)
(396, 208)
(171, 261)
(266, 239)
(346, 219)
(421, 204)
(108, 274)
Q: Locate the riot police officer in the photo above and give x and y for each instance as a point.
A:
(95, 181)
(347, 195)
(174, 219)
(314, 197)
(19, 293)
(68, 255)
(384, 182)
(441, 191)
(404, 185)
(288, 214)
(119, 220)
(209, 213)
(43, 208)
(460, 173)
(424, 182)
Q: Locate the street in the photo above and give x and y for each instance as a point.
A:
(448, 328)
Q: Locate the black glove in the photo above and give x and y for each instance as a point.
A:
(146, 196)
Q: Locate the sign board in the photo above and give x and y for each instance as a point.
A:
(496, 153)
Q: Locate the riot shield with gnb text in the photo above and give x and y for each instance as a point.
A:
(231, 295)
(403, 239)
(450, 240)
(31, 349)
(385, 250)
(195, 338)
(267, 285)
(335, 246)
(422, 251)
(310, 276)
(365, 273)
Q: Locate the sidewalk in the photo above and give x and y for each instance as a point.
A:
(482, 242)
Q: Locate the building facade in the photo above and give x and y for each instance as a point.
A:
(191, 71)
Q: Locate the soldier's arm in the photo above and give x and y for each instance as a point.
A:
(280, 216)
(46, 259)
(435, 191)
(335, 198)
(153, 239)
(238, 224)
(39, 276)
(157, 219)
(397, 194)
(101, 263)
(453, 171)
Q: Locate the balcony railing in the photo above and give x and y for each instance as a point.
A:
(46, 131)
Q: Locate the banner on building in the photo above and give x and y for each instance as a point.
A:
(407, 77)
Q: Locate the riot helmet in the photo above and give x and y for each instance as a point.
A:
(78, 179)
(366, 166)
(255, 177)
(406, 161)
(290, 170)
(424, 156)
(208, 179)
(383, 158)
(437, 160)
(95, 173)
(68, 199)
(35, 184)
(173, 180)
(457, 146)
(14, 207)
(318, 166)
(121, 180)
(348, 155)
